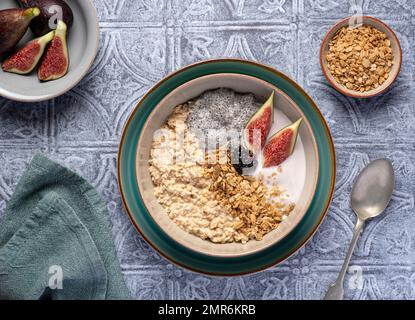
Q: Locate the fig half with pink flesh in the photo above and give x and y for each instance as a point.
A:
(55, 62)
(281, 145)
(26, 59)
(259, 125)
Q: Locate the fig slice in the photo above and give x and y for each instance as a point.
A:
(259, 125)
(26, 59)
(55, 62)
(281, 145)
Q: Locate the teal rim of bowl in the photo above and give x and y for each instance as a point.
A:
(225, 266)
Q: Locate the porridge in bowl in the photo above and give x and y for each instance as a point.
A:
(201, 186)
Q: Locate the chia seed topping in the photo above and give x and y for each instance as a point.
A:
(221, 110)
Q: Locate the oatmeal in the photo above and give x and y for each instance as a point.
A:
(209, 200)
(181, 186)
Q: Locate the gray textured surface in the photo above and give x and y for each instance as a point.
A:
(143, 40)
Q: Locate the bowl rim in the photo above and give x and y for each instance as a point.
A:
(314, 145)
(338, 86)
(20, 98)
(303, 241)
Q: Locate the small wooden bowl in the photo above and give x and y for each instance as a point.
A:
(397, 57)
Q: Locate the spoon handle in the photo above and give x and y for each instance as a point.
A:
(336, 291)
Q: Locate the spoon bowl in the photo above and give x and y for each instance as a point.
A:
(373, 189)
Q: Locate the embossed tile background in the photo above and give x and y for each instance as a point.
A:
(142, 41)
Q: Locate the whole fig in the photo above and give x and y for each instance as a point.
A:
(50, 12)
(13, 25)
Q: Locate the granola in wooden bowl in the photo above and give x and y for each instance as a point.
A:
(361, 61)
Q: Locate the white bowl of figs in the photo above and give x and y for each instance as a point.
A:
(46, 47)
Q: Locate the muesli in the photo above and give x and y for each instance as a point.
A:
(200, 186)
(360, 59)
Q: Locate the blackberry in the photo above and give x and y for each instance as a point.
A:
(245, 160)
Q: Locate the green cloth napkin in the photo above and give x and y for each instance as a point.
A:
(55, 239)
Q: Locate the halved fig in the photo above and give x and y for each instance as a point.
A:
(26, 59)
(281, 145)
(55, 62)
(258, 127)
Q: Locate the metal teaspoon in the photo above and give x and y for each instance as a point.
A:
(370, 196)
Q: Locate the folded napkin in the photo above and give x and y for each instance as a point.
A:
(55, 239)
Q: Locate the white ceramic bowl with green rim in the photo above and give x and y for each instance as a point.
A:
(83, 40)
(299, 172)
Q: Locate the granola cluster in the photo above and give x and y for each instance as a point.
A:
(259, 208)
(361, 58)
